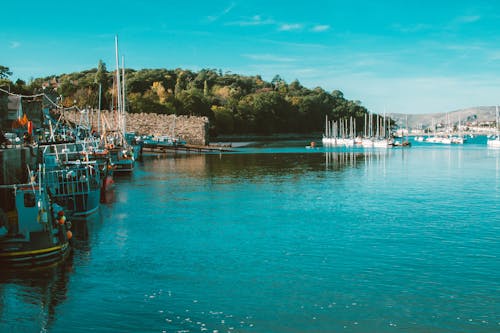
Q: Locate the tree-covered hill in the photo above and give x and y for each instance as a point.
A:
(235, 104)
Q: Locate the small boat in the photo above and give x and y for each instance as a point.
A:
(33, 229)
(494, 142)
(162, 141)
(122, 158)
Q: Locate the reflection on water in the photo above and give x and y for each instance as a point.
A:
(29, 299)
(261, 164)
(338, 160)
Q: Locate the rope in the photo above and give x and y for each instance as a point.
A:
(24, 96)
(41, 95)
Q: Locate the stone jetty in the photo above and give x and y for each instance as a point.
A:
(193, 130)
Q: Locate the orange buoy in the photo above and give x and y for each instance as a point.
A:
(62, 219)
(69, 234)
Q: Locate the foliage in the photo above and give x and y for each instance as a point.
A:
(4, 72)
(234, 104)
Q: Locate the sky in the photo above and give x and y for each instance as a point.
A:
(398, 56)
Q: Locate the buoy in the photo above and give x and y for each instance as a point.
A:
(69, 234)
(62, 219)
(30, 127)
(60, 213)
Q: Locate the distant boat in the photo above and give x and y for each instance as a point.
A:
(495, 142)
(33, 229)
(162, 141)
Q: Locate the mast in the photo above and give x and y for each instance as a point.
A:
(99, 110)
(124, 120)
(118, 85)
(498, 128)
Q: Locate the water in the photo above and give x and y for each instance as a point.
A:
(280, 238)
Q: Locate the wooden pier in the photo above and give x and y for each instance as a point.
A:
(188, 148)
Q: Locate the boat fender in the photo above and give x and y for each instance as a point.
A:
(69, 234)
(42, 215)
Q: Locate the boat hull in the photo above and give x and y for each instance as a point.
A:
(17, 255)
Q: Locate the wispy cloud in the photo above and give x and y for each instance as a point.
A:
(226, 11)
(269, 57)
(468, 19)
(290, 27)
(412, 28)
(14, 44)
(255, 20)
(320, 28)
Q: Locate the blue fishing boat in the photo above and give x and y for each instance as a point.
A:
(76, 186)
(33, 229)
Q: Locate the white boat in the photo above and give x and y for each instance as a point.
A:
(495, 142)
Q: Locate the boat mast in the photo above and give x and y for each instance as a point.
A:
(498, 128)
(124, 120)
(99, 110)
(118, 85)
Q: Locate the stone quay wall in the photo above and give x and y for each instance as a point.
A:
(194, 130)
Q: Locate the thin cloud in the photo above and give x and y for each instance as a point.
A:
(255, 20)
(14, 45)
(290, 27)
(468, 19)
(420, 27)
(268, 57)
(226, 11)
(320, 28)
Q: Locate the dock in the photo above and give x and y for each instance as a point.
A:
(189, 148)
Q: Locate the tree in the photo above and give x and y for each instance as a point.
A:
(224, 122)
(4, 72)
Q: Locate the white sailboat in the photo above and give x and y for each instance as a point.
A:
(495, 142)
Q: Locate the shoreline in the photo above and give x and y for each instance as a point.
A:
(261, 137)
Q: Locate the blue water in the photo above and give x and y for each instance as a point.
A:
(280, 238)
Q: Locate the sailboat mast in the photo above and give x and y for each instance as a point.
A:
(118, 85)
(498, 128)
(124, 120)
(99, 110)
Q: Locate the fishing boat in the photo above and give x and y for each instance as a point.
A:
(122, 154)
(33, 228)
(72, 181)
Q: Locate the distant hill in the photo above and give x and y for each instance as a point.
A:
(479, 114)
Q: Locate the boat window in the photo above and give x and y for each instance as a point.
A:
(29, 199)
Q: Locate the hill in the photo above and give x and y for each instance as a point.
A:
(478, 114)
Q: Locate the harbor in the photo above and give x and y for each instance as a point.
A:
(354, 241)
(249, 167)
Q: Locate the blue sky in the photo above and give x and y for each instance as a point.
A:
(410, 57)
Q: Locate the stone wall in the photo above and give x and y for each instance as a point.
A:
(194, 130)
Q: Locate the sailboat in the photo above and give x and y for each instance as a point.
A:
(122, 154)
(495, 142)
